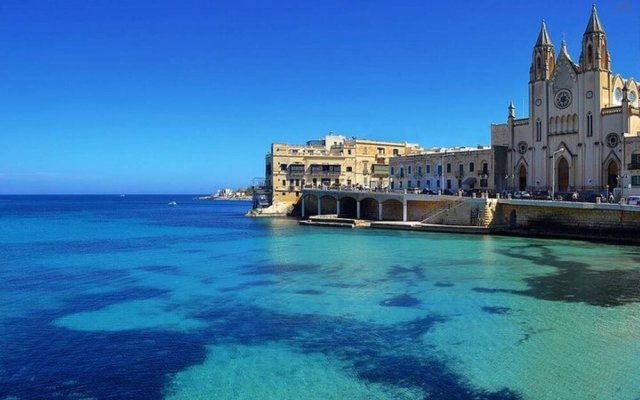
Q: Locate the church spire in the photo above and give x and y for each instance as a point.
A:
(595, 53)
(593, 26)
(563, 51)
(543, 59)
(543, 37)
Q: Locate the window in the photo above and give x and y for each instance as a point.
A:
(417, 183)
(284, 182)
(439, 169)
(381, 150)
(401, 172)
(459, 183)
(635, 158)
(485, 168)
(395, 152)
(428, 169)
(438, 183)
(635, 180)
(408, 184)
(419, 170)
(391, 170)
(283, 167)
(349, 169)
(448, 168)
(348, 182)
(400, 184)
(428, 182)
(349, 151)
(409, 169)
(483, 183)
(392, 185)
(291, 182)
(448, 183)
(589, 124)
(538, 130)
(461, 170)
(297, 182)
(471, 167)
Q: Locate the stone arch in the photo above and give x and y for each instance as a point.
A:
(552, 125)
(348, 207)
(563, 174)
(522, 176)
(589, 55)
(632, 86)
(618, 83)
(605, 57)
(575, 123)
(611, 171)
(328, 205)
(392, 210)
(563, 124)
(369, 209)
(310, 205)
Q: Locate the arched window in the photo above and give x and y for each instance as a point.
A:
(589, 56)
(552, 125)
(589, 124)
(538, 130)
(538, 66)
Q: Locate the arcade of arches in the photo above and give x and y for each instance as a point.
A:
(374, 207)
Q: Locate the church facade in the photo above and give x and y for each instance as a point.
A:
(583, 129)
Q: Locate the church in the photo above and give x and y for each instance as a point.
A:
(583, 129)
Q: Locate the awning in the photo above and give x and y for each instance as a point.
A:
(469, 181)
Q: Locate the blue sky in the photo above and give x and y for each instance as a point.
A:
(185, 96)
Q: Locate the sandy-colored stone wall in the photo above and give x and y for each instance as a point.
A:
(544, 215)
(468, 212)
(419, 210)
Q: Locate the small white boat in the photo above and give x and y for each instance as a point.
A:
(172, 204)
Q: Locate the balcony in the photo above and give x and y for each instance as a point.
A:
(295, 171)
(633, 165)
(325, 171)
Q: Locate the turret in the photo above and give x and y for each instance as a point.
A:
(595, 53)
(512, 111)
(543, 58)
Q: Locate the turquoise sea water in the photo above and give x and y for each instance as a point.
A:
(126, 298)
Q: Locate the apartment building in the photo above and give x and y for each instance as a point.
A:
(333, 162)
(452, 169)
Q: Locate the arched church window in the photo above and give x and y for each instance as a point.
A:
(538, 65)
(589, 56)
(589, 124)
(538, 130)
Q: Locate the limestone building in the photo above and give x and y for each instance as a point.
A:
(583, 128)
(333, 162)
(452, 169)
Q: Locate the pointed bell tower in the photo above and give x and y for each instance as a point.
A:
(595, 52)
(543, 59)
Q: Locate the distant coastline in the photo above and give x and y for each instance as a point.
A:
(217, 198)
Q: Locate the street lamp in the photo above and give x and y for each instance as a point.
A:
(553, 170)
